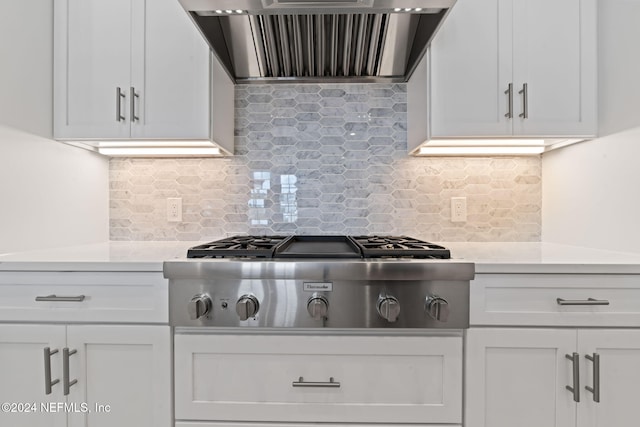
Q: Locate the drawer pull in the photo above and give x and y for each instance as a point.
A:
(595, 359)
(56, 298)
(48, 383)
(588, 301)
(66, 381)
(302, 383)
(575, 390)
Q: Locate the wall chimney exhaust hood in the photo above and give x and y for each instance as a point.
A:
(322, 41)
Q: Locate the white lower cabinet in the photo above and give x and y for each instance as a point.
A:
(22, 375)
(118, 375)
(317, 379)
(519, 377)
(618, 355)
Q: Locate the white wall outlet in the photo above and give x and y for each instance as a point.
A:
(174, 209)
(458, 209)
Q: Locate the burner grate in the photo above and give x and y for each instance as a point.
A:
(319, 247)
(397, 247)
(238, 246)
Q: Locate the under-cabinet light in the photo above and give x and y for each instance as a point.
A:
(160, 151)
(479, 151)
(153, 144)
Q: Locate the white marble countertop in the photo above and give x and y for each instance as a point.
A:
(107, 256)
(491, 257)
(543, 258)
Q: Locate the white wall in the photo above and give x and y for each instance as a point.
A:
(51, 194)
(590, 193)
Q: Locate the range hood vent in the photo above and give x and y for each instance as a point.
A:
(260, 41)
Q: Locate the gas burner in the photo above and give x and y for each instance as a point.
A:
(238, 246)
(399, 247)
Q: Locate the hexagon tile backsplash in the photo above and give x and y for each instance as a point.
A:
(325, 159)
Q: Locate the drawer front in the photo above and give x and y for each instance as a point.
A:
(217, 424)
(318, 378)
(122, 297)
(532, 300)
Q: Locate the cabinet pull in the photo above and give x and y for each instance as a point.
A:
(66, 384)
(596, 376)
(119, 96)
(509, 92)
(575, 360)
(588, 301)
(302, 383)
(134, 95)
(56, 298)
(525, 101)
(48, 383)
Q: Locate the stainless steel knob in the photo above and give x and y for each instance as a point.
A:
(437, 308)
(388, 308)
(199, 306)
(247, 306)
(317, 306)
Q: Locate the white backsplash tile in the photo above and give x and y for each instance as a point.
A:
(325, 159)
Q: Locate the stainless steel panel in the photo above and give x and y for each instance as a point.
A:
(305, 6)
(311, 41)
(395, 47)
(347, 269)
(352, 289)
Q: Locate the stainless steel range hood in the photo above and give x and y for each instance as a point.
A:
(259, 41)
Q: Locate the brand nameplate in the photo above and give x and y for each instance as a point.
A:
(317, 286)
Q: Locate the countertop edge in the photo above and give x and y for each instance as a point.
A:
(568, 268)
(96, 266)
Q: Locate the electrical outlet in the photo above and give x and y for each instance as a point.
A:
(174, 209)
(458, 209)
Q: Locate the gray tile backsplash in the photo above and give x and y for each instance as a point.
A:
(325, 159)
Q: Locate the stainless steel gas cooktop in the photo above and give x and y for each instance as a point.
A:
(319, 282)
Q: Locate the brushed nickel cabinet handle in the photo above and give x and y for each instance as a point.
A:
(134, 95)
(588, 301)
(48, 383)
(326, 384)
(575, 361)
(525, 101)
(56, 298)
(509, 92)
(595, 359)
(119, 96)
(66, 384)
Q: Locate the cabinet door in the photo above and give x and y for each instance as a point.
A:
(92, 40)
(619, 358)
(170, 73)
(554, 54)
(22, 374)
(127, 368)
(471, 69)
(517, 377)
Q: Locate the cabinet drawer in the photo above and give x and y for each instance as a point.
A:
(530, 299)
(370, 379)
(216, 424)
(94, 297)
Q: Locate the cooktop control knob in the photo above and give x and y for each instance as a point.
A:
(388, 308)
(317, 306)
(199, 306)
(437, 308)
(247, 306)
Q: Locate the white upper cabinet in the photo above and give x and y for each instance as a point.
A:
(129, 69)
(524, 68)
